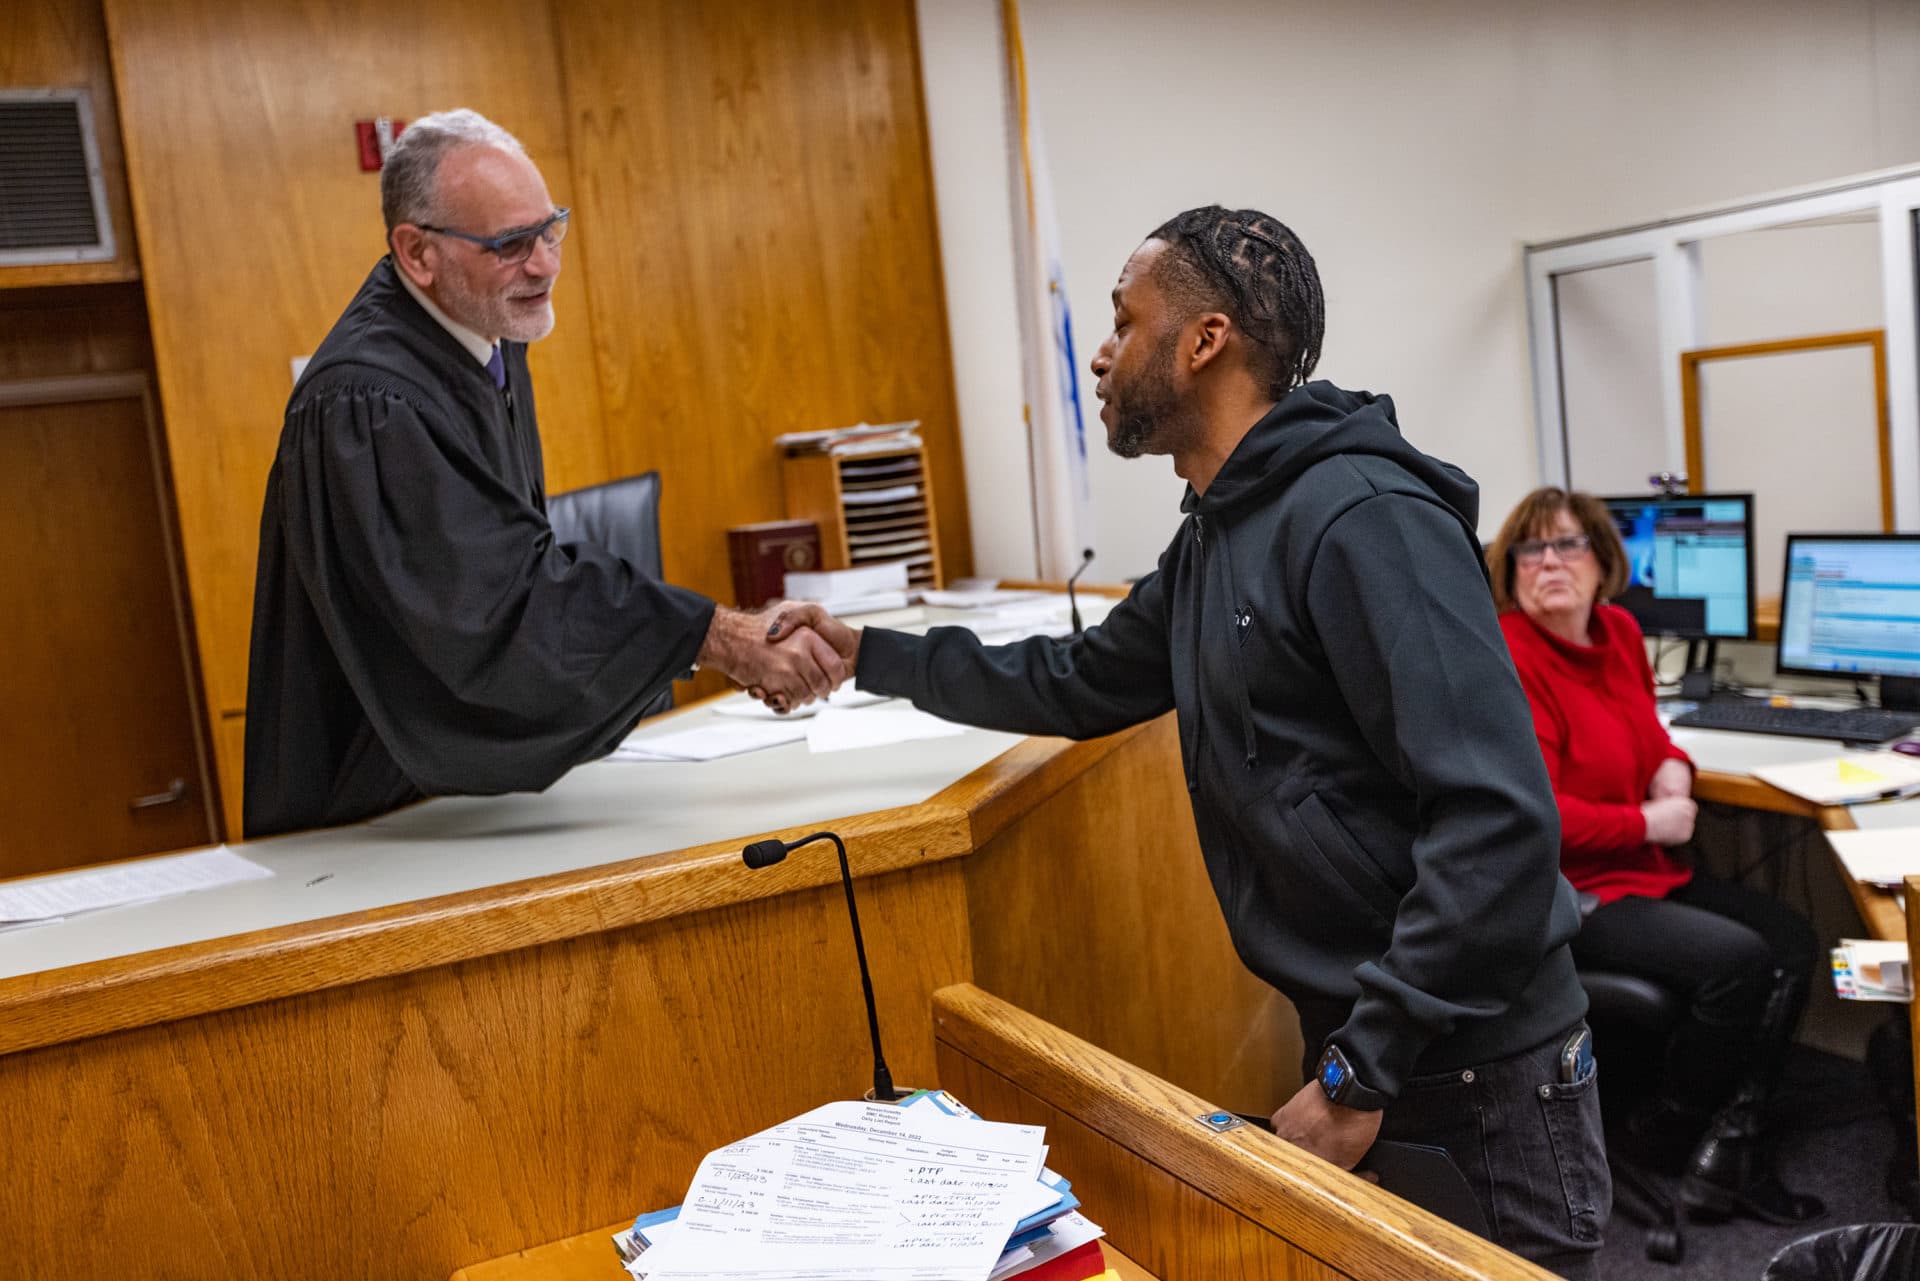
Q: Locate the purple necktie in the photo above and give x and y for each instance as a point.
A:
(497, 367)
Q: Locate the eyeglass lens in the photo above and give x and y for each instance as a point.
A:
(518, 249)
(1565, 548)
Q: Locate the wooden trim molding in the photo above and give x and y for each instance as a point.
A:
(1690, 362)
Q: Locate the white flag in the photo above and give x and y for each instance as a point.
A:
(1056, 436)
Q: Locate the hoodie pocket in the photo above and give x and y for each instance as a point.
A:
(1322, 836)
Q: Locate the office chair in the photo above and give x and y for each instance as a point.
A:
(623, 516)
(1632, 1019)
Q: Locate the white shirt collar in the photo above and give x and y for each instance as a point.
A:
(477, 347)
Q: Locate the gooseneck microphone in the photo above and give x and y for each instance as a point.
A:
(768, 852)
(1073, 606)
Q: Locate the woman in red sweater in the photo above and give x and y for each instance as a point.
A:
(1741, 959)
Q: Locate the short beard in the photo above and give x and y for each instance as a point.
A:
(1147, 418)
(490, 314)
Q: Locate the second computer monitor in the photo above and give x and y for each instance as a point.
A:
(1689, 563)
(1851, 607)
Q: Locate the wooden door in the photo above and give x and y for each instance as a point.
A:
(99, 751)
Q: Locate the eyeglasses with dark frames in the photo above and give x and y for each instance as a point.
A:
(1534, 550)
(514, 247)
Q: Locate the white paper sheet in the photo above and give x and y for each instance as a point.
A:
(854, 1192)
(749, 708)
(44, 898)
(1882, 856)
(710, 739)
(870, 497)
(987, 598)
(838, 729)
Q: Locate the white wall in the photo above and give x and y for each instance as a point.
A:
(1413, 146)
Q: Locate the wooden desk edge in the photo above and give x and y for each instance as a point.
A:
(1299, 1198)
(55, 1006)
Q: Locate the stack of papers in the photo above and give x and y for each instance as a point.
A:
(1870, 970)
(1848, 779)
(853, 591)
(850, 1192)
(923, 1191)
(861, 438)
(37, 900)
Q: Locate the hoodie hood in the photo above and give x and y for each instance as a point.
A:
(1315, 422)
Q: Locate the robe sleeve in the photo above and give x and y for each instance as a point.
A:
(487, 657)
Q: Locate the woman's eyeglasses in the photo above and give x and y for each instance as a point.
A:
(1534, 550)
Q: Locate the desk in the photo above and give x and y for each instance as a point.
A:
(1726, 762)
(480, 1023)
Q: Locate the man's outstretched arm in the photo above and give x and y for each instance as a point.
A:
(1115, 675)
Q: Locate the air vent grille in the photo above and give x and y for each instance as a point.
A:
(50, 193)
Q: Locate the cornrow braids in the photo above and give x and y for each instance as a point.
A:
(1252, 267)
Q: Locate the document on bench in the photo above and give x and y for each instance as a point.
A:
(855, 1192)
(838, 729)
(49, 898)
(709, 739)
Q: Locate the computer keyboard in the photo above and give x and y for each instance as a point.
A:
(1752, 716)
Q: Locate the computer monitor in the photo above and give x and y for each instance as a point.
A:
(1850, 607)
(1689, 563)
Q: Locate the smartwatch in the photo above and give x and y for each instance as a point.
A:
(1337, 1081)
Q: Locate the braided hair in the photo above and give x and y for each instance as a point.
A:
(1250, 266)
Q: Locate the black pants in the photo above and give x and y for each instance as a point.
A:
(1717, 943)
(1529, 1145)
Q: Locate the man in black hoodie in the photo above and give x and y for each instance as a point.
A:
(1371, 804)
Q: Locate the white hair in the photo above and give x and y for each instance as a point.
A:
(409, 187)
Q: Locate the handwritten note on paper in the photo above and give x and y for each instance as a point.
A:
(41, 898)
(854, 1192)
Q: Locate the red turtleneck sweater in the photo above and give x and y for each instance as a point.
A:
(1594, 715)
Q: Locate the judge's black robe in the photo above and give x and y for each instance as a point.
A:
(416, 629)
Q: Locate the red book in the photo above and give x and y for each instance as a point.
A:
(1077, 1264)
(763, 555)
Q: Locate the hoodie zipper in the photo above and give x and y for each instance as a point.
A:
(1236, 638)
(1199, 625)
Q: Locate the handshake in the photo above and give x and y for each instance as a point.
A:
(786, 654)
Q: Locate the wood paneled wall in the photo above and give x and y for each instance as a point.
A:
(257, 227)
(62, 44)
(765, 258)
(755, 247)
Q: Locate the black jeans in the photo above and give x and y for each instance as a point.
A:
(1530, 1146)
(1717, 943)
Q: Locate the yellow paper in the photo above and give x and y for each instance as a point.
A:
(1851, 773)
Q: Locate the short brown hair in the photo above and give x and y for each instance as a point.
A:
(1532, 518)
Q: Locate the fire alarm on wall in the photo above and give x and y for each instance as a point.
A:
(376, 139)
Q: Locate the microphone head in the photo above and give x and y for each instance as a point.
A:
(764, 853)
(1086, 554)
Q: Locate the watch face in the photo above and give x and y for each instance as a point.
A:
(1333, 1074)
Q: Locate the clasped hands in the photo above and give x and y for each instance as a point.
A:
(786, 655)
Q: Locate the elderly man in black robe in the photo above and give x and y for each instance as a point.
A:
(417, 630)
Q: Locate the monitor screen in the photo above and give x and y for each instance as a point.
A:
(1689, 563)
(1850, 605)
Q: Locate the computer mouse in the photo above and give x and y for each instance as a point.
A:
(1908, 747)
